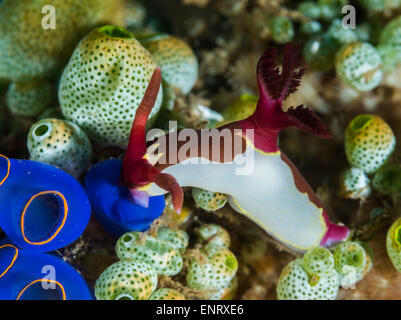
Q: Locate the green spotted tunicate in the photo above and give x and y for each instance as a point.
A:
(212, 271)
(126, 280)
(393, 244)
(164, 257)
(60, 143)
(104, 83)
(358, 65)
(213, 236)
(296, 284)
(167, 294)
(282, 29)
(175, 57)
(318, 261)
(352, 262)
(354, 184)
(311, 278)
(387, 180)
(208, 200)
(175, 237)
(28, 99)
(369, 141)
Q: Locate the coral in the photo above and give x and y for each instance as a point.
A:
(207, 200)
(369, 141)
(176, 59)
(30, 51)
(358, 65)
(60, 143)
(313, 278)
(126, 280)
(28, 98)
(104, 82)
(354, 184)
(387, 180)
(393, 244)
(166, 294)
(164, 257)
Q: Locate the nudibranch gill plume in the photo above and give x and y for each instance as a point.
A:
(273, 194)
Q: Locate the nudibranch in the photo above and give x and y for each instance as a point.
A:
(273, 193)
(42, 207)
(27, 275)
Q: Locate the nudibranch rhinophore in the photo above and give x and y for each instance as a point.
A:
(27, 275)
(42, 207)
(273, 193)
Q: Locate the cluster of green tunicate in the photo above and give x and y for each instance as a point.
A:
(320, 273)
(393, 244)
(208, 200)
(60, 143)
(142, 259)
(214, 269)
(163, 254)
(359, 52)
(28, 99)
(369, 142)
(211, 271)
